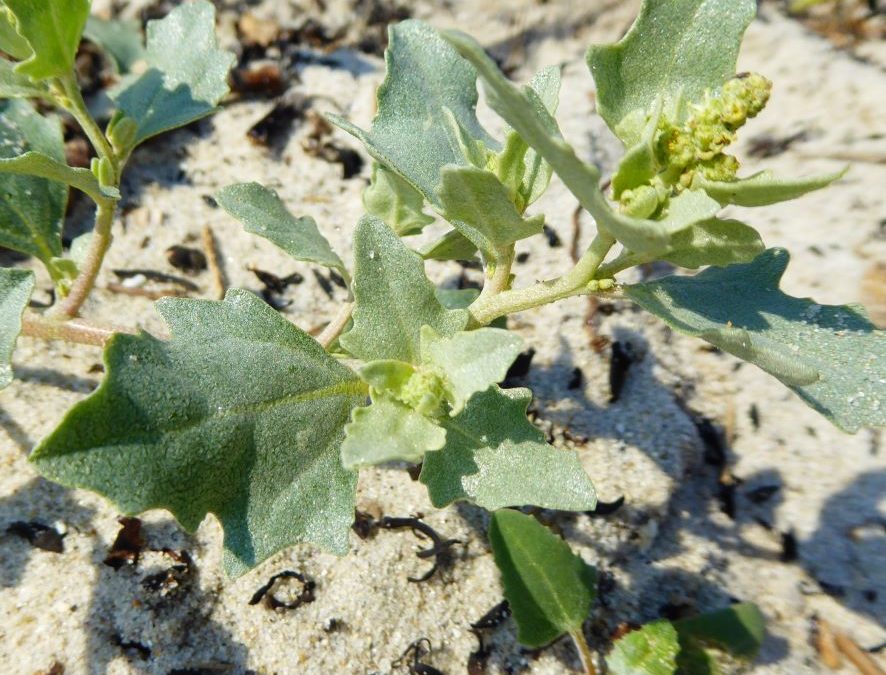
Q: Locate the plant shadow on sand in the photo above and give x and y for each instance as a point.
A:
(842, 557)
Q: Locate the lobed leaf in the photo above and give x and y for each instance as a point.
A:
(393, 200)
(651, 650)
(549, 588)
(832, 356)
(451, 246)
(32, 209)
(471, 361)
(526, 113)
(15, 293)
(52, 30)
(387, 430)
(121, 40)
(240, 414)
(495, 458)
(479, 207)
(714, 242)
(186, 76)
(764, 188)
(263, 213)
(393, 298)
(426, 83)
(676, 49)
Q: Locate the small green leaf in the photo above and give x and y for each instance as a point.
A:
(411, 133)
(187, 72)
(32, 209)
(263, 213)
(677, 49)
(470, 361)
(495, 458)
(832, 356)
(451, 246)
(714, 242)
(386, 375)
(537, 174)
(386, 431)
(526, 113)
(121, 40)
(738, 630)
(651, 650)
(10, 41)
(639, 164)
(53, 30)
(764, 188)
(394, 298)
(478, 205)
(395, 202)
(15, 85)
(549, 588)
(15, 292)
(240, 414)
(36, 164)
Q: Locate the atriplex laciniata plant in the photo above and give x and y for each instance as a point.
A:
(242, 415)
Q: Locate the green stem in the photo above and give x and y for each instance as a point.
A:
(98, 246)
(336, 326)
(574, 282)
(624, 261)
(584, 651)
(73, 102)
(500, 279)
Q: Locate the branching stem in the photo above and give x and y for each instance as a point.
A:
(98, 246)
(574, 282)
(72, 101)
(500, 279)
(72, 330)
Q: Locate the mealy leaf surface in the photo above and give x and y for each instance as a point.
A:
(832, 356)
(240, 414)
(52, 30)
(15, 292)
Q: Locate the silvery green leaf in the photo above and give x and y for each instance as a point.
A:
(393, 298)
(386, 375)
(393, 200)
(386, 430)
(478, 206)
(495, 458)
(52, 29)
(677, 49)
(451, 246)
(470, 361)
(537, 174)
(15, 85)
(526, 113)
(32, 209)
(651, 650)
(832, 356)
(411, 133)
(550, 589)
(119, 39)
(15, 293)
(639, 164)
(714, 242)
(239, 414)
(764, 188)
(186, 76)
(263, 213)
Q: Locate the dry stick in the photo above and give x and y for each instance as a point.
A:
(826, 645)
(859, 658)
(218, 277)
(74, 330)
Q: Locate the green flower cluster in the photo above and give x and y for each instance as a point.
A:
(424, 392)
(697, 146)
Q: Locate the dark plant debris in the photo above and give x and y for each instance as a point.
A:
(173, 577)
(38, 535)
(606, 508)
(623, 356)
(161, 277)
(412, 658)
(789, 548)
(187, 259)
(365, 526)
(131, 646)
(324, 283)
(128, 544)
(273, 130)
(553, 238)
(576, 380)
(265, 593)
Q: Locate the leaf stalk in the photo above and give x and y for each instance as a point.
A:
(584, 651)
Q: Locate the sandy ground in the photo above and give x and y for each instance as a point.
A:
(670, 548)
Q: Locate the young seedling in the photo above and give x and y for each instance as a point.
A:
(551, 590)
(182, 79)
(245, 416)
